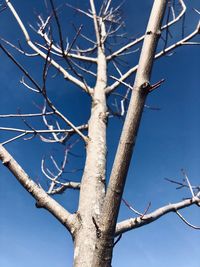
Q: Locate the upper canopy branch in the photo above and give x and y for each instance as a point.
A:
(96, 23)
(140, 39)
(44, 94)
(168, 49)
(66, 75)
(45, 35)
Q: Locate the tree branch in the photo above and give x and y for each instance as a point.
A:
(132, 70)
(42, 198)
(41, 31)
(132, 121)
(2, 116)
(186, 222)
(96, 24)
(65, 186)
(43, 92)
(137, 222)
(42, 54)
(140, 39)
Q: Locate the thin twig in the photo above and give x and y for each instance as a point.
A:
(131, 208)
(13, 139)
(186, 222)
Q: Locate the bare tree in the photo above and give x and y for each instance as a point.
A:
(84, 61)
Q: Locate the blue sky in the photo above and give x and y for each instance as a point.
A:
(168, 140)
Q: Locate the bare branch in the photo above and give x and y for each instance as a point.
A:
(25, 115)
(191, 43)
(117, 240)
(64, 187)
(19, 49)
(158, 55)
(60, 170)
(55, 110)
(137, 222)
(21, 68)
(196, 10)
(156, 85)
(41, 53)
(179, 43)
(140, 39)
(41, 197)
(188, 182)
(96, 25)
(186, 222)
(58, 51)
(13, 139)
(131, 125)
(82, 127)
(79, 10)
(131, 208)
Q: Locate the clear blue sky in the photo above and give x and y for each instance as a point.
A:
(168, 140)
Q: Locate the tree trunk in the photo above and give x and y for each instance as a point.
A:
(104, 248)
(92, 192)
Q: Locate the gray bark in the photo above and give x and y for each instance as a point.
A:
(92, 190)
(103, 252)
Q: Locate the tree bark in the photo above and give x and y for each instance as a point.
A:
(104, 247)
(92, 190)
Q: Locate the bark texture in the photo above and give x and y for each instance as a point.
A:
(92, 190)
(103, 252)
